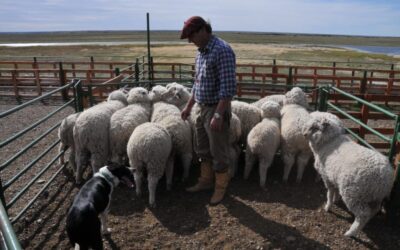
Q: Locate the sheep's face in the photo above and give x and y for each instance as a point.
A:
(271, 109)
(138, 95)
(320, 130)
(176, 93)
(157, 93)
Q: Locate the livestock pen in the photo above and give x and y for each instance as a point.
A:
(285, 216)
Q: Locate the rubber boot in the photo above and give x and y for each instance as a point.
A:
(206, 179)
(221, 183)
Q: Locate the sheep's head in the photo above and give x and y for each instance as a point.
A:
(296, 96)
(321, 129)
(138, 95)
(177, 94)
(117, 95)
(271, 109)
(157, 93)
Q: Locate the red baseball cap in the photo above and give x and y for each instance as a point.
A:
(191, 25)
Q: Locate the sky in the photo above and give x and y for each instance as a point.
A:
(343, 17)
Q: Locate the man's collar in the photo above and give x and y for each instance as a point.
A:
(209, 45)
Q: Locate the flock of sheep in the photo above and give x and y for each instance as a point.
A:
(145, 128)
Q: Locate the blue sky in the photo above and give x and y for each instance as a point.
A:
(347, 17)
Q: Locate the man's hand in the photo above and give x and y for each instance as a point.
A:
(185, 113)
(216, 124)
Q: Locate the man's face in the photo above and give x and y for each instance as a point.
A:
(199, 38)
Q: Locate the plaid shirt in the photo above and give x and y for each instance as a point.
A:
(215, 72)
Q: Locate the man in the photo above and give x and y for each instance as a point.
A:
(213, 89)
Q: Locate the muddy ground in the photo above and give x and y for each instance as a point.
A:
(283, 216)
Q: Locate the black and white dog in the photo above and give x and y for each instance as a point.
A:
(83, 224)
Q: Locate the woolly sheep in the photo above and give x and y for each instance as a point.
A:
(91, 133)
(249, 116)
(149, 147)
(296, 96)
(263, 141)
(65, 133)
(125, 120)
(275, 98)
(294, 116)
(169, 117)
(361, 176)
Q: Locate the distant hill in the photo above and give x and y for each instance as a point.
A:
(171, 36)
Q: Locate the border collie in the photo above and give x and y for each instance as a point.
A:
(84, 227)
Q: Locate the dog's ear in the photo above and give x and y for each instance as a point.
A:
(112, 165)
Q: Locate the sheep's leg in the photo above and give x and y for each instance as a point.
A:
(138, 181)
(250, 159)
(263, 170)
(72, 159)
(357, 225)
(186, 160)
(152, 185)
(329, 199)
(336, 195)
(169, 172)
(363, 212)
(81, 161)
(61, 148)
(302, 161)
(98, 161)
(288, 160)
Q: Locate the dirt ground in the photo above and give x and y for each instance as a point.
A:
(283, 216)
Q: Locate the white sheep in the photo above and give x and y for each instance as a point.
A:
(275, 98)
(169, 117)
(263, 141)
(249, 116)
(149, 148)
(294, 146)
(65, 133)
(125, 120)
(91, 133)
(361, 176)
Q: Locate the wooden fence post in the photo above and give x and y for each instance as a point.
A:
(274, 71)
(363, 84)
(334, 72)
(137, 70)
(15, 85)
(61, 75)
(289, 80)
(92, 67)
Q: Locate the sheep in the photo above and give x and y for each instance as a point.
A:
(249, 116)
(276, 98)
(235, 133)
(263, 141)
(179, 95)
(169, 117)
(361, 176)
(293, 144)
(65, 133)
(91, 133)
(125, 120)
(149, 147)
